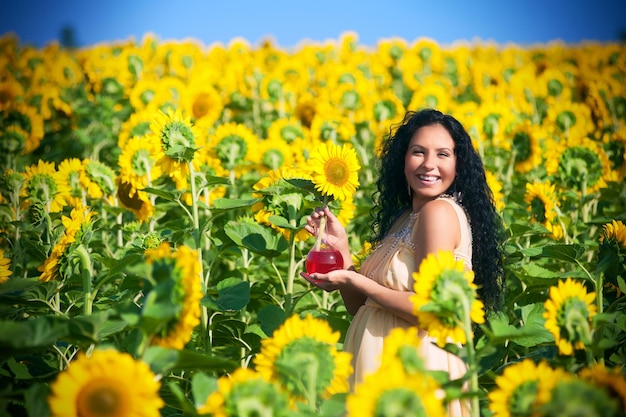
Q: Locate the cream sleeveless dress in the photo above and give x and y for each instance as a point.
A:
(392, 265)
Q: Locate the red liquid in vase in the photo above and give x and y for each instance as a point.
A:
(323, 261)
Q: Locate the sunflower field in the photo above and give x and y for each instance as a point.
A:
(153, 198)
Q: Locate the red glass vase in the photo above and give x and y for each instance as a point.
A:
(323, 260)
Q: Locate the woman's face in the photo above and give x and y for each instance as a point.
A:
(429, 164)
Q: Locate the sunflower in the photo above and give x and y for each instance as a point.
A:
(183, 267)
(614, 232)
(302, 357)
(403, 344)
(286, 130)
(178, 138)
(40, 186)
(98, 179)
(335, 170)
(137, 163)
(137, 201)
(584, 167)
(5, 268)
(522, 388)
(245, 393)
(106, 384)
(391, 391)
(612, 380)
(233, 144)
(10, 91)
(203, 103)
(137, 125)
(68, 177)
(542, 201)
(569, 313)
(12, 141)
(526, 147)
(76, 226)
(443, 284)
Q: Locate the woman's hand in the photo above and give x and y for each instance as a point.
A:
(334, 280)
(335, 234)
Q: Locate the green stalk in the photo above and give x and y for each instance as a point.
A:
(471, 357)
(198, 242)
(86, 274)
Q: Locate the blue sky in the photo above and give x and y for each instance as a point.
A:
(288, 23)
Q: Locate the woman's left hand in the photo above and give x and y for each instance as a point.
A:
(328, 282)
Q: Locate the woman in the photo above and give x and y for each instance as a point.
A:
(432, 195)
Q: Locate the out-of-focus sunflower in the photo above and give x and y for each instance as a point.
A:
(234, 145)
(569, 313)
(526, 146)
(5, 267)
(612, 380)
(303, 352)
(447, 288)
(106, 384)
(67, 177)
(583, 167)
(335, 170)
(98, 180)
(542, 203)
(40, 186)
(391, 391)
(573, 397)
(522, 388)
(183, 268)
(403, 345)
(137, 163)
(178, 138)
(136, 126)
(76, 227)
(246, 393)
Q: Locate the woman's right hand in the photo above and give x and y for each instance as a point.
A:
(335, 234)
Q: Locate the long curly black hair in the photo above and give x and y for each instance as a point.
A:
(470, 183)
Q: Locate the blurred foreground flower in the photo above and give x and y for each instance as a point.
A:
(444, 290)
(245, 393)
(302, 356)
(106, 384)
(522, 388)
(569, 313)
(392, 391)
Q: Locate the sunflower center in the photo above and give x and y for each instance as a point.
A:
(337, 172)
(399, 402)
(102, 398)
(523, 398)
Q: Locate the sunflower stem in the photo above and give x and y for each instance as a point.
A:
(471, 357)
(198, 243)
(86, 274)
(292, 267)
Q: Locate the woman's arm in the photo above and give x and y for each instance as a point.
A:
(438, 229)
